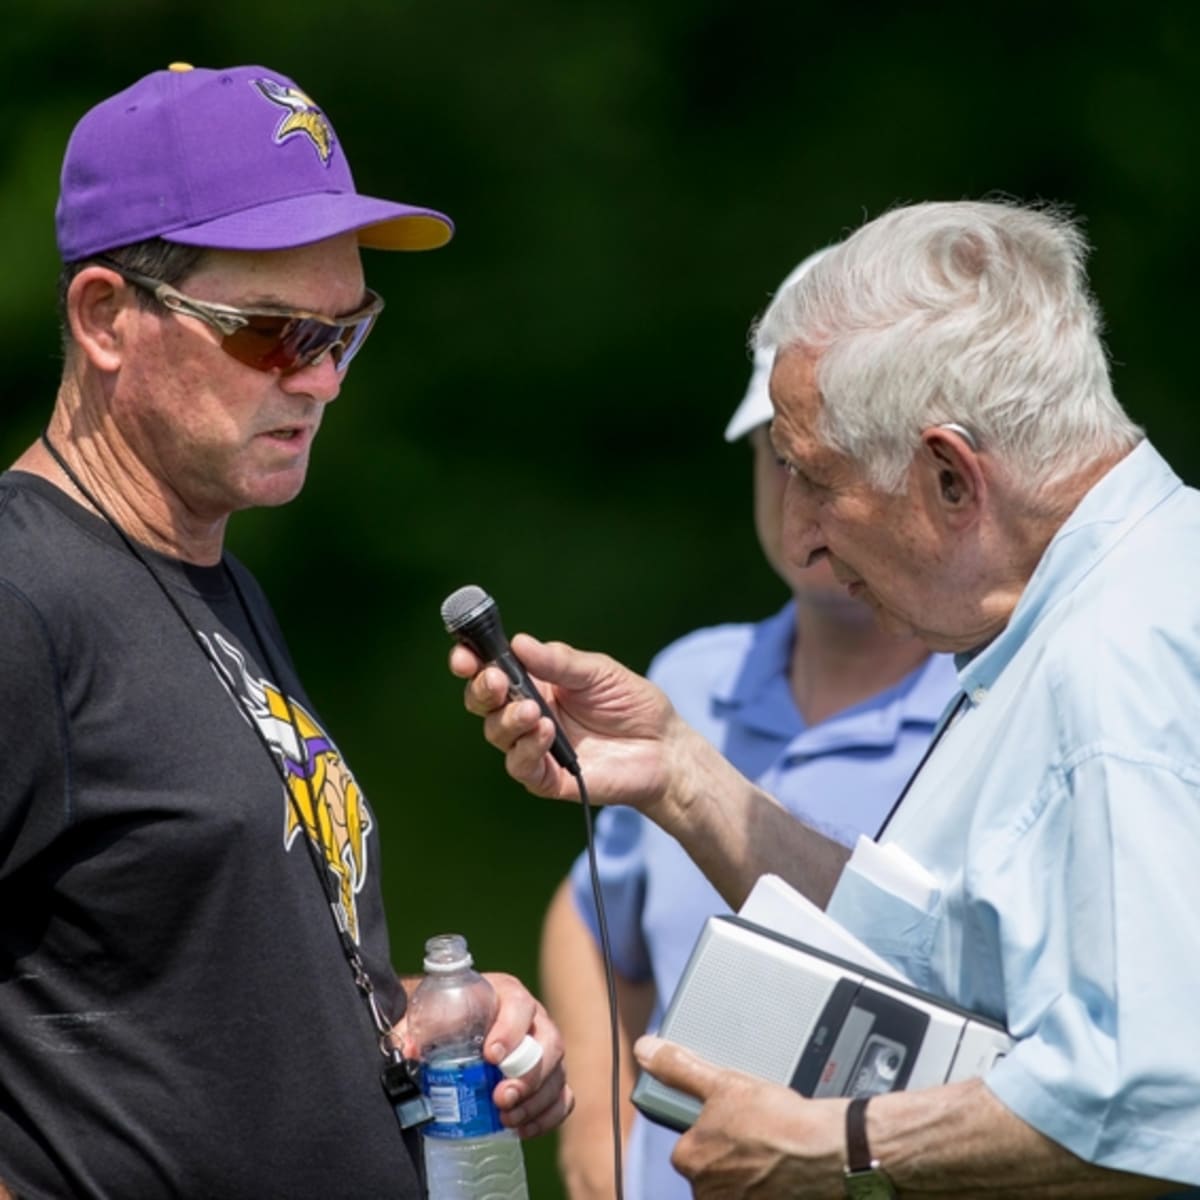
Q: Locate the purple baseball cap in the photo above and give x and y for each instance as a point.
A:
(235, 159)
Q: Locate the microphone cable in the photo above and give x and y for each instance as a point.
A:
(472, 618)
(610, 981)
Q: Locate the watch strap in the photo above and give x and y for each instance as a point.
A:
(858, 1149)
(864, 1178)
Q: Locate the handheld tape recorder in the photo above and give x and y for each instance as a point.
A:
(755, 1000)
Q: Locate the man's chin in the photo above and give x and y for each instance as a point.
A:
(272, 491)
(889, 622)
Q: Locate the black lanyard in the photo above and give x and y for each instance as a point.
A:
(362, 978)
(398, 1074)
(943, 729)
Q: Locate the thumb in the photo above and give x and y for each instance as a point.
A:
(571, 669)
(676, 1067)
(398, 1038)
(555, 662)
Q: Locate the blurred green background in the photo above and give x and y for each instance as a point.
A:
(540, 411)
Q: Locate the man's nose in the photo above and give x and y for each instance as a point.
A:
(321, 380)
(803, 537)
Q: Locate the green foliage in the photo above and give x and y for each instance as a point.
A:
(540, 410)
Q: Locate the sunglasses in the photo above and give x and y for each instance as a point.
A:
(268, 339)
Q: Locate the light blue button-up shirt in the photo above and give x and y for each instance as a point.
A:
(842, 775)
(1060, 816)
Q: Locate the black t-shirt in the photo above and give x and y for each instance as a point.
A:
(177, 1017)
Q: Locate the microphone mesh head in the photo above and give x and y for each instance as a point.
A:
(463, 605)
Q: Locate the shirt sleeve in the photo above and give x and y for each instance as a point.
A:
(1103, 968)
(621, 867)
(34, 757)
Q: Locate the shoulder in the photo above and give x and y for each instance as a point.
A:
(40, 576)
(47, 541)
(1140, 602)
(23, 623)
(33, 654)
(1122, 659)
(707, 654)
(702, 646)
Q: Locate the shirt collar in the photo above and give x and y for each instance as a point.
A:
(765, 660)
(1111, 508)
(756, 688)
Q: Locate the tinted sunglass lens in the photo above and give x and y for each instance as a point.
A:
(307, 340)
(269, 343)
(262, 343)
(279, 343)
(352, 342)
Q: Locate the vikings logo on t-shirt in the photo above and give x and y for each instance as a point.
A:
(303, 117)
(323, 794)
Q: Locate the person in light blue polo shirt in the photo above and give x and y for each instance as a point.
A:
(826, 712)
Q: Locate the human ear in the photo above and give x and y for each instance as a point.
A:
(948, 480)
(958, 480)
(97, 298)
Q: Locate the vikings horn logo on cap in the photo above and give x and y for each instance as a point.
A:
(303, 117)
(179, 155)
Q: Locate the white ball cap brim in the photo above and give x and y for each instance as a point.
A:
(755, 408)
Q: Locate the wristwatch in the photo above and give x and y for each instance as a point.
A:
(864, 1178)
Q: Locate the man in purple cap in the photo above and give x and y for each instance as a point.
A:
(195, 980)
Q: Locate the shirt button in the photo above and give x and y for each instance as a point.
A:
(978, 695)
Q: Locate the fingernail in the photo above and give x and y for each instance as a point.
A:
(645, 1047)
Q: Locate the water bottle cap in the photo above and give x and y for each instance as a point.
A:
(447, 952)
(523, 1059)
(444, 966)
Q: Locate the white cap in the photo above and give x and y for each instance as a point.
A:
(755, 408)
(446, 953)
(523, 1059)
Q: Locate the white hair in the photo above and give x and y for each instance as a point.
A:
(976, 313)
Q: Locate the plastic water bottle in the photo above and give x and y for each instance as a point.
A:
(469, 1155)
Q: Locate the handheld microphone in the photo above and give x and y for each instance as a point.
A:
(473, 618)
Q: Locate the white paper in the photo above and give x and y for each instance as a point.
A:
(776, 905)
(892, 870)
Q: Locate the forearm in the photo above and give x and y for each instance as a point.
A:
(954, 1142)
(959, 1141)
(575, 992)
(634, 748)
(734, 831)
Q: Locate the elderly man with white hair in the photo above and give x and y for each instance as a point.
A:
(943, 406)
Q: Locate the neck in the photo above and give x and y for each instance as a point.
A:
(840, 658)
(1011, 544)
(102, 473)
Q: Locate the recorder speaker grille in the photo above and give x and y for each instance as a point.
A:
(747, 1009)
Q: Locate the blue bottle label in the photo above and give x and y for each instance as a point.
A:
(461, 1096)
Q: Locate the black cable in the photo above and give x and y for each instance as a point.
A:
(610, 983)
(942, 729)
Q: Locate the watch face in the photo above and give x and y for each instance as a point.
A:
(871, 1184)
